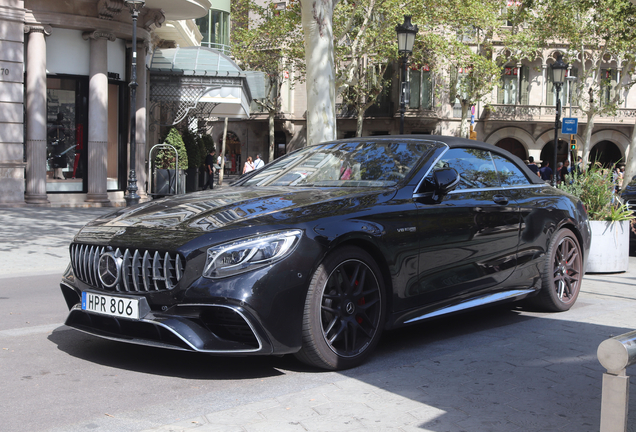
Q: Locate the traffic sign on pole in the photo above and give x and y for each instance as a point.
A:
(570, 125)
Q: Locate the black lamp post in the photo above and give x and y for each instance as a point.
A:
(558, 78)
(406, 37)
(132, 197)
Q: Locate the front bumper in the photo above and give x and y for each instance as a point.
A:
(208, 328)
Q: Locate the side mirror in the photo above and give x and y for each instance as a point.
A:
(446, 180)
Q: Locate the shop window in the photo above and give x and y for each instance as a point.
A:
(66, 135)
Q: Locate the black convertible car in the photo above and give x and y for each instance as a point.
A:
(320, 251)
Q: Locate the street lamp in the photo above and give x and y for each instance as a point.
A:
(406, 37)
(132, 197)
(559, 67)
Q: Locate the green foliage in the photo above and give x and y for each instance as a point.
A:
(165, 157)
(364, 47)
(269, 40)
(595, 188)
(208, 145)
(594, 35)
(195, 148)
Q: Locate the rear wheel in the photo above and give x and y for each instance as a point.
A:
(562, 273)
(344, 311)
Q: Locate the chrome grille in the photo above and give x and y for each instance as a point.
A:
(140, 270)
(631, 204)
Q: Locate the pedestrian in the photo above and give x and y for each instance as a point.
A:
(617, 178)
(258, 163)
(578, 169)
(249, 165)
(210, 160)
(558, 172)
(533, 166)
(546, 171)
(564, 173)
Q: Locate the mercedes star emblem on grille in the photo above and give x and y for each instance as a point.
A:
(109, 269)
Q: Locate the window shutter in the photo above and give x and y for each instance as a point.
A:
(525, 83)
(414, 84)
(613, 84)
(427, 93)
(550, 97)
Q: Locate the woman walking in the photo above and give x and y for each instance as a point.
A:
(249, 165)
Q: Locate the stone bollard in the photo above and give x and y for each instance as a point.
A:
(615, 355)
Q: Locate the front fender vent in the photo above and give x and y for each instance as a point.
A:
(138, 270)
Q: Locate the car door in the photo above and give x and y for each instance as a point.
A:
(468, 242)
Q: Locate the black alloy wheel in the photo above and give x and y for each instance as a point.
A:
(563, 272)
(344, 312)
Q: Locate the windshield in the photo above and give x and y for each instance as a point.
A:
(343, 164)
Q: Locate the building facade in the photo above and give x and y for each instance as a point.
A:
(64, 96)
(519, 115)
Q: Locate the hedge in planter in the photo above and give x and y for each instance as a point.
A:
(196, 158)
(165, 157)
(609, 219)
(165, 165)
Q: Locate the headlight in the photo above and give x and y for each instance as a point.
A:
(249, 254)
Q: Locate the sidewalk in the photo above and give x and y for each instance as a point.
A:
(499, 369)
(493, 370)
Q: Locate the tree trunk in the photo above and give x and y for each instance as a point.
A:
(630, 165)
(317, 16)
(359, 123)
(223, 152)
(587, 138)
(463, 126)
(271, 135)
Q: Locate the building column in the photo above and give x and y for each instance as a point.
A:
(98, 117)
(36, 115)
(141, 103)
(12, 104)
(544, 71)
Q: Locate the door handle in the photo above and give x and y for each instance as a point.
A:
(500, 199)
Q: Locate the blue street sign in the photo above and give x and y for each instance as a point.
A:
(569, 125)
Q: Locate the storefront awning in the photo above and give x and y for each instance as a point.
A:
(201, 82)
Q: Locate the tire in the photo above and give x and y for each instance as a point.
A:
(562, 273)
(344, 311)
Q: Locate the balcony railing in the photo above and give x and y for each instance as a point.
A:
(547, 113)
(225, 49)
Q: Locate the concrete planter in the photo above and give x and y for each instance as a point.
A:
(609, 251)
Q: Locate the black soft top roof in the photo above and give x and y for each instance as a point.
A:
(455, 142)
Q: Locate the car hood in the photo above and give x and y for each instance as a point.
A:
(245, 206)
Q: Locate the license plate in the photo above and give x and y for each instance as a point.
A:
(110, 305)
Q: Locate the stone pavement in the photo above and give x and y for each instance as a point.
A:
(504, 368)
(525, 371)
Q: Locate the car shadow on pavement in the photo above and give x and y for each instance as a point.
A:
(500, 369)
(157, 361)
(504, 368)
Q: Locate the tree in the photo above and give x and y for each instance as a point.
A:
(317, 23)
(365, 46)
(464, 35)
(266, 39)
(600, 41)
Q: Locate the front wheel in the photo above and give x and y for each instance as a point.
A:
(344, 311)
(562, 272)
